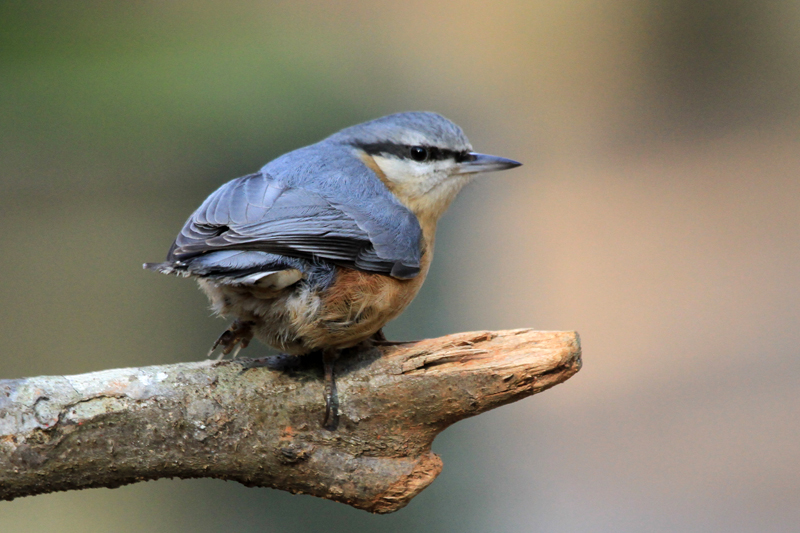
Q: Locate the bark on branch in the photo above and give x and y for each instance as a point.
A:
(262, 426)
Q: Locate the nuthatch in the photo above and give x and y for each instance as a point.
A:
(326, 244)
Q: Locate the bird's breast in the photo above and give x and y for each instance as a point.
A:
(352, 308)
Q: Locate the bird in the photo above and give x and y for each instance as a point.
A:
(320, 248)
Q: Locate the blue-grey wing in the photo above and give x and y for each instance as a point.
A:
(260, 213)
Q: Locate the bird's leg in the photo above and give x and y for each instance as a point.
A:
(237, 336)
(331, 420)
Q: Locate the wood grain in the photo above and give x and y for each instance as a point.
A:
(259, 422)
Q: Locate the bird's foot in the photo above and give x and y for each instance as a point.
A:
(379, 339)
(237, 336)
(331, 420)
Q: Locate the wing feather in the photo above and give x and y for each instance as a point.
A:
(260, 213)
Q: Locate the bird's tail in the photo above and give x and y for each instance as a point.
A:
(168, 267)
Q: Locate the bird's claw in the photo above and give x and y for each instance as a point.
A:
(237, 336)
(379, 339)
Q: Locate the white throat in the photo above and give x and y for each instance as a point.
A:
(426, 187)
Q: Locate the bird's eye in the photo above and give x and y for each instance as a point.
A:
(419, 153)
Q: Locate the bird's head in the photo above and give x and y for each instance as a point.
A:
(423, 158)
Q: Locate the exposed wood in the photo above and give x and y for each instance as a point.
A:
(262, 426)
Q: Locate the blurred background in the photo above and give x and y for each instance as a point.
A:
(658, 214)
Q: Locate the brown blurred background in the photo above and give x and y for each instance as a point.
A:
(658, 213)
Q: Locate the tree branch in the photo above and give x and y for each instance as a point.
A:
(259, 421)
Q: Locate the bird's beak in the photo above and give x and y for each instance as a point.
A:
(476, 162)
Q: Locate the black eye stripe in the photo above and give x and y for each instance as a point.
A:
(403, 151)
